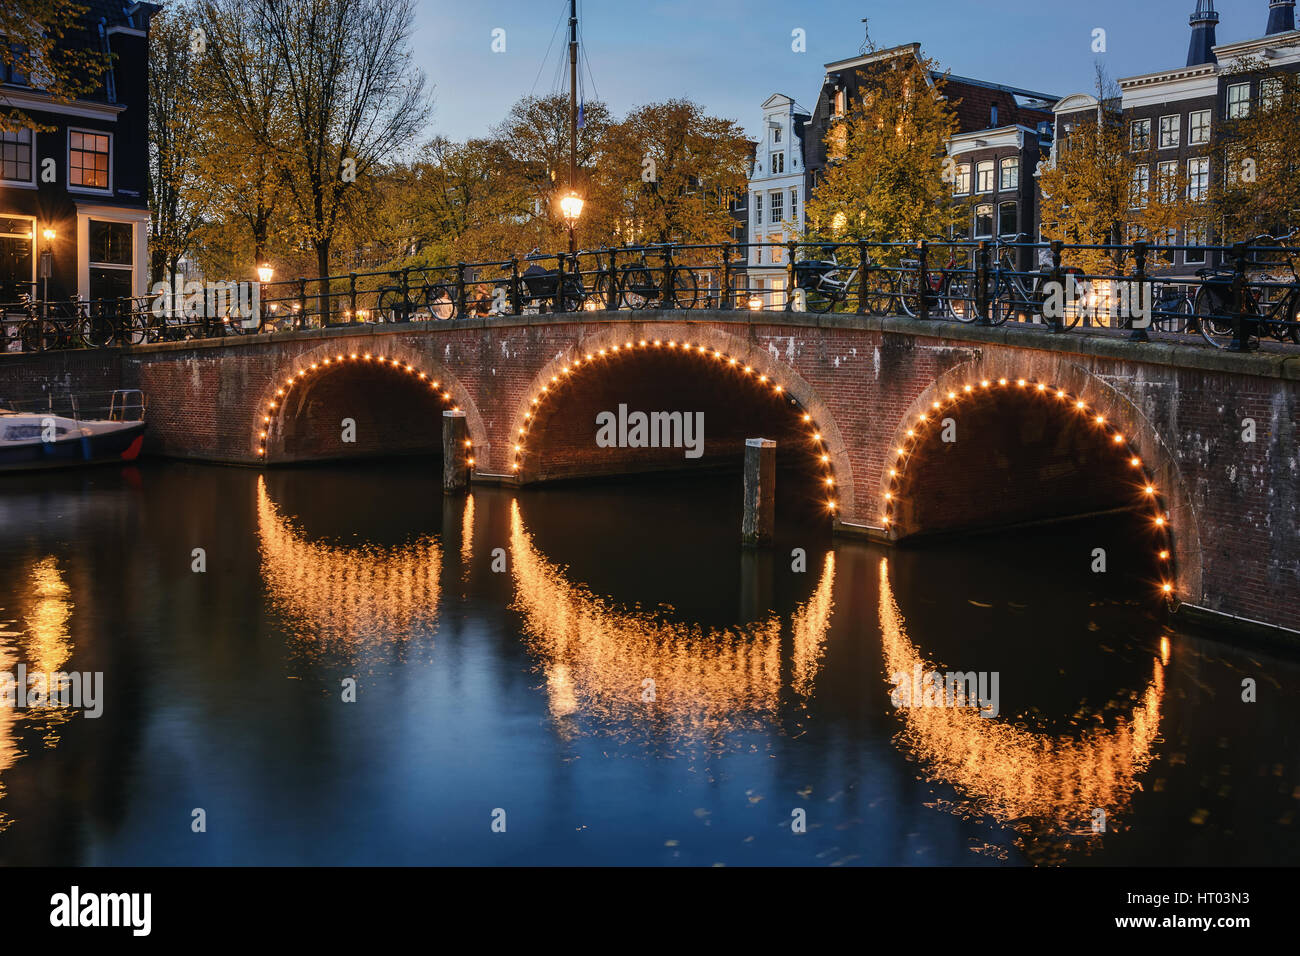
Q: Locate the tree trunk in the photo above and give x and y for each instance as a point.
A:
(322, 273)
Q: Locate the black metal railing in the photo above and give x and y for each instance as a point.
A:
(1244, 293)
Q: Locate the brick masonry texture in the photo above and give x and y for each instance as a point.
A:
(1231, 504)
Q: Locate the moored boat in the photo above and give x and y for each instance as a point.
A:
(34, 440)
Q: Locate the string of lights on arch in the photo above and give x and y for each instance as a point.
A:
(1126, 454)
(615, 351)
(350, 358)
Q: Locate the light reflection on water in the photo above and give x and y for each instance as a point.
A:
(524, 689)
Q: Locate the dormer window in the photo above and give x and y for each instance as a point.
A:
(993, 115)
(776, 134)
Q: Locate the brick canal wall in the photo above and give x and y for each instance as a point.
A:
(1184, 411)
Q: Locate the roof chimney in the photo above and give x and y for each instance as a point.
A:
(1281, 17)
(1203, 21)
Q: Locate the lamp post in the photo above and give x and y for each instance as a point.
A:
(47, 268)
(264, 276)
(571, 209)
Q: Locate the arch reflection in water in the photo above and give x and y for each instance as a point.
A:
(340, 599)
(38, 638)
(1044, 787)
(708, 683)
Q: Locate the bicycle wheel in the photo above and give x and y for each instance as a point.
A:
(392, 306)
(1216, 326)
(441, 301)
(880, 293)
(636, 288)
(97, 331)
(961, 299)
(685, 289)
(599, 294)
(820, 300)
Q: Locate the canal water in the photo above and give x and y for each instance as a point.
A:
(353, 670)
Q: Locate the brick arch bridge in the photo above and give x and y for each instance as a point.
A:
(839, 394)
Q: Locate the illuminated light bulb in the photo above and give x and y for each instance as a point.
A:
(984, 384)
(968, 388)
(546, 388)
(615, 348)
(952, 396)
(1060, 393)
(1167, 588)
(777, 388)
(273, 405)
(1135, 462)
(1118, 438)
(1079, 405)
(589, 356)
(1160, 522)
(528, 416)
(278, 391)
(910, 433)
(1164, 555)
(1021, 382)
(515, 466)
(825, 459)
(656, 343)
(817, 436)
(748, 370)
(807, 418)
(672, 344)
(534, 401)
(266, 419)
(313, 365)
(762, 378)
(830, 481)
(468, 442)
(469, 461)
(888, 496)
(885, 518)
(327, 362)
(1042, 387)
(701, 350)
(519, 448)
(262, 436)
(830, 505)
(921, 418)
(643, 343)
(601, 352)
(261, 451)
(731, 361)
(435, 384)
(290, 383)
(423, 376)
(902, 451)
(1002, 381)
(893, 473)
(686, 345)
(1150, 490)
(936, 405)
(555, 378)
(353, 355)
(367, 356)
(1101, 420)
(446, 395)
(521, 431)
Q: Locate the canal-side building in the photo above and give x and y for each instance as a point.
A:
(78, 190)
(776, 196)
(1171, 116)
(1003, 133)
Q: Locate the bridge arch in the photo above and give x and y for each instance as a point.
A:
(1126, 458)
(709, 349)
(419, 378)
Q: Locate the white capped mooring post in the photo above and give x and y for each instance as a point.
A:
(455, 456)
(759, 521)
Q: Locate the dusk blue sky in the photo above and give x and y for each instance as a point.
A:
(729, 55)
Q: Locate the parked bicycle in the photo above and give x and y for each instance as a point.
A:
(1266, 311)
(406, 302)
(640, 284)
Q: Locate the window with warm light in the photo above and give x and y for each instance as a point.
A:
(88, 159)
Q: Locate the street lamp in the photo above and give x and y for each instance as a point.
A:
(47, 267)
(571, 209)
(265, 273)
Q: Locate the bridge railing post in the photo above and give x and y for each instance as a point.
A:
(864, 281)
(460, 290)
(1135, 305)
(408, 307)
(557, 305)
(1240, 334)
(923, 279)
(791, 249)
(1058, 277)
(724, 294)
(670, 294)
(611, 283)
(302, 301)
(516, 302)
(352, 296)
(982, 303)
